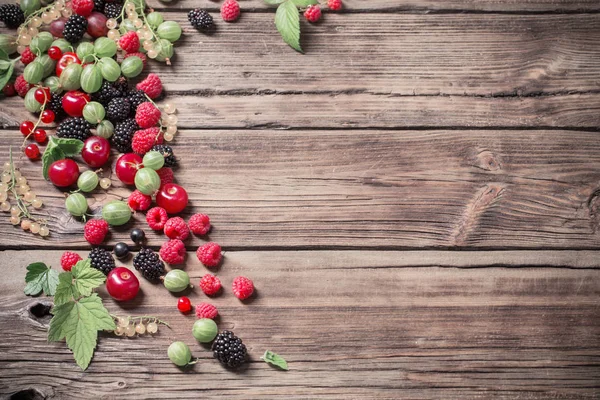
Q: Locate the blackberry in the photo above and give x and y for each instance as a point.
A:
(112, 10)
(74, 128)
(135, 97)
(229, 349)
(55, 105)
(200, 19)
(74, 28)
(99, 5)
(117, 109)
(167, 152)
(11, 15)
(122, 86)
(106, 93)
(148, 263)
(102, 260)
(124, 131)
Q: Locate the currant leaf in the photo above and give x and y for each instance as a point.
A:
(287, 21)
(65, 291)
(40, 278)
(86, 278)
(275, 359)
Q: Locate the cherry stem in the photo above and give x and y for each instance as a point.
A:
(36, 124)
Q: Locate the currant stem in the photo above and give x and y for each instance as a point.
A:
(143, 317)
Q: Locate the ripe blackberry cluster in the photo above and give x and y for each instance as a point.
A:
(11, 15)
(229, 349)
(113, 10)
(123, 135)
(74, 29)
(167, 152)
(200, 19)
(117, 109)
(135, 97)
(99, 5)
(55, 105)
(74, 128)
(106, 93)
(102, 260)
(122, 85)
(149, 264)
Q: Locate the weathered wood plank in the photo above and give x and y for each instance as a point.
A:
(366, 111)
(374, 189)
(348, 330)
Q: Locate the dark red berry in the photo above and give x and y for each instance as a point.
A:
(55, 53)
(74, 101)
(127, 166)
(40, 135)
(122, 284)
(63, 173)
(184, 304)
(96, 151)
(26, 127)
(32, 152)
(9, 90)
(48, 116)
(172, 198)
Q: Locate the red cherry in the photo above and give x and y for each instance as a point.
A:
(48, 116)
(42, 95)
(55, 53)
(63, 173)
(96, 151)
(66, 59)
(40, 135)
(184, 304)
(122, 284)
(127, 166)
(173, 198)
(26, 127)
(32, 152)
(74, 101)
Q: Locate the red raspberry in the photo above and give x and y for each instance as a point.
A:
(166, 176)
(144, 139)
(209, 254)
(205, 310)
(173, 252)
(199, 224)
(334, 5)
(27, 56)
(95, 231)
(210, 284)
(21, 86)
(130, 42)
(142, 56)
(175, 228)
(230, 10)
(9, 90)
(157, 218)
(242, 287)
(147, 115)
(312, 13)
(152, 86)
(138, 201)
(82, 7)
(69, 259)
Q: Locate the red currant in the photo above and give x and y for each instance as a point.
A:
(122, 284)
(55, 53)
(173, 198)
(96, 151)
(26, 127)
(48, 116)
(127, 166)
(184, 304)
(63, 173)
(9, 90)
(32, 152)
(74, 101)
(40, 135)
(42, 95)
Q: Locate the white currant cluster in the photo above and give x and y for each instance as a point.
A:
(132, 326)
(169, 121)
(43, 16)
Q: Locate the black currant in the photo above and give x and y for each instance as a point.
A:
(121, 250)
(137, 235)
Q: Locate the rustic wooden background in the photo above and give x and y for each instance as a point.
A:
(417, 200)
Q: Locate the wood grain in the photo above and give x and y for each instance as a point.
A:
(348, 330)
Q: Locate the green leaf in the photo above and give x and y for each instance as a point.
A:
(287, 21)
(305, 3)
(40, 278)
(86, 277)
(60, 315)
(4, 55)
(51, 154)
(70, 147)
(275, 359)
(274, 2)
(4, 65)
(6, 75)
(66, 290)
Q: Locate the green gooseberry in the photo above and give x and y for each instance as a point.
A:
(153, 160)
(105, 129)
(169, 30)
(76, 203)
(31, 104)
(132, 66)
(116, 213)
(179, 353)
(205, 330)
(176, 281)
(94, 112)
(33, 72)
(70, 78)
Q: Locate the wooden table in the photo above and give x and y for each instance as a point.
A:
(417, 200)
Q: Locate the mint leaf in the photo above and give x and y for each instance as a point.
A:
(65, 291)
(4, 55)
(305, 3)
(70, 147)
(40, 278)
(6, 74)
(274, 2)
(86, 277)
(275, 359)
(287, 21)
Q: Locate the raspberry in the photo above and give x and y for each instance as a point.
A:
(334, 5)
(130, 42)
(152, 86)
(156, 218)
(144, 139)
(27, 56)
(230, 10)
(95, 231)
(209, 254)
(138, 201)
(210, 284)
(166, 176)
(242, 287)
(82, 7)
(142, 56)
(205, 310)
(175, 228)
(199, 224)
(147, 115)
(312, 13)
(69, 259)
(22, 86)
(9, 90)
(173, 252)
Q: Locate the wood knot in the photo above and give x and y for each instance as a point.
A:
(487, 161)
(28, 394)
(40, 310)
(594, 208)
